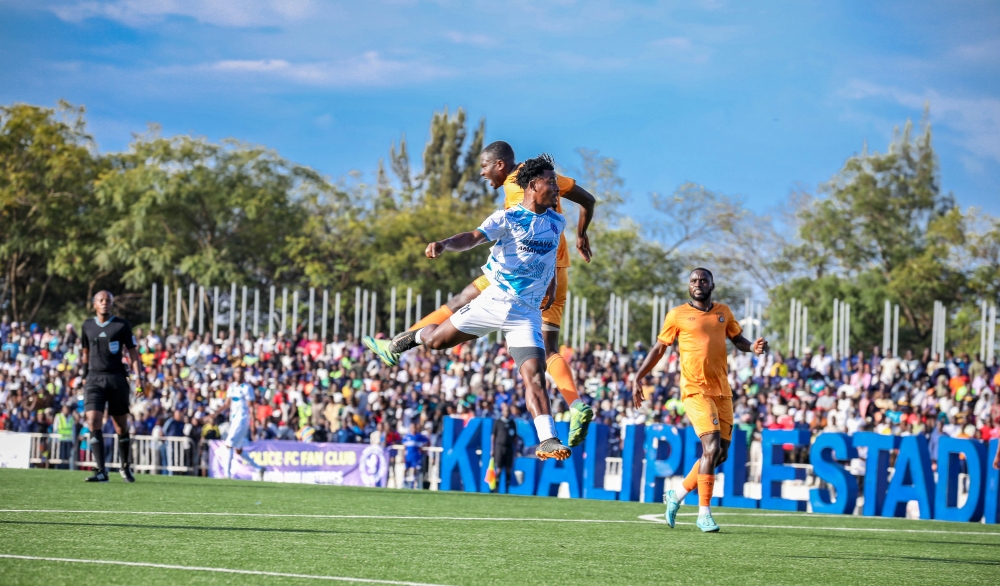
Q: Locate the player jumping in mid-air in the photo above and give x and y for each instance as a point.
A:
(105, 339)
(240, 402)
(521, 271)
(700, 329)
(497, 165)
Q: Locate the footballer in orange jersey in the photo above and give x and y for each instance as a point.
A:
(700, 328)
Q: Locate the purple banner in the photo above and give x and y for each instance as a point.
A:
(307, 463)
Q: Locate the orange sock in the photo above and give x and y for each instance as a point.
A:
(436, 317)
(706, 482)
(691, 480)
(561, 373)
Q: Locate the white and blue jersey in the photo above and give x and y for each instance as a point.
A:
(522, 261)
(240, 401)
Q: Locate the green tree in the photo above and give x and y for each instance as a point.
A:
(50, 224)
(188, 209)
(447, 170)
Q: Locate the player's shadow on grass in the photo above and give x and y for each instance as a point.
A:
(897, 557)
(204, 528)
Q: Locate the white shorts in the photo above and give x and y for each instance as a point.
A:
(495, 310)
(238, 435)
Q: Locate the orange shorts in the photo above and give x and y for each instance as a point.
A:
(708, 414)
(553, 315)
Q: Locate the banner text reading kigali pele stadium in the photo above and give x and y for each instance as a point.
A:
(677, 449)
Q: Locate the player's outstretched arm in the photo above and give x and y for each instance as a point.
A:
(457, 243)
(758, 346)
(587, 202)
(654, 357)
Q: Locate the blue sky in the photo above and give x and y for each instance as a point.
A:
(747, 98)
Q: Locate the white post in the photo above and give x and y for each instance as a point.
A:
(312, 310)
(437, 299)
(760, 320)
(982, 331)
(847, 332)
(409, 302)
(295, 314)
(895, 332)
(583, 323)
(392, 312)
(243, 313)
(834, 348)
(417, 308)
(805, 329)
(201, 310)
(944, 330)
(166, 306)
(371, 323)
(180, 300)
(364, 312)
(256, 312)
(575, 323)
(992, 337)
(886, 327)
(791, 327)
(326, 303)
(215, 314)
(336, 314)
(270, 315)
(357, 312)
(191, 307)
(612, 326)
(569, 321)
(152, 311)
(284, 310)
(655, 316)
(625, 325)
(232, 312)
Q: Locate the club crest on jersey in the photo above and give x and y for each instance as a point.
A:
(113, 346)
(715, 421)
(722, 319)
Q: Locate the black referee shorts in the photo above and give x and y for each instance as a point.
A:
(106, 389)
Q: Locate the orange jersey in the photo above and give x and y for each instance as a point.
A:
(513, 194)
(701, 340)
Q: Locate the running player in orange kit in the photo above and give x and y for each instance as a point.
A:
(701, 329)
(498, 166)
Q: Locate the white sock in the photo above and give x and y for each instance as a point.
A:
(680, 493)
(575, 403)
(546, 427)
(417, 337)
(229, 463)
(703, 510)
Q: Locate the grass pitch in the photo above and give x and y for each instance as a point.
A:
(170, 530)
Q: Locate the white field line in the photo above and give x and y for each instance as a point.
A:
(203, 569)
(644, 519)
(660, 519)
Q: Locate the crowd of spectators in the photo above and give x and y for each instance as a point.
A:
(308, 390)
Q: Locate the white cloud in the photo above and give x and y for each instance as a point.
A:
(985, 51)
(369, 69)
(477, 40)
(137, 13)
(975, 120)
(682, 43)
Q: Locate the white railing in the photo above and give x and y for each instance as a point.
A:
(149, 454)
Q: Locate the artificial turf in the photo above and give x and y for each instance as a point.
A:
(456, 538)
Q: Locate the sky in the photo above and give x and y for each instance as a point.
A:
(750, 99)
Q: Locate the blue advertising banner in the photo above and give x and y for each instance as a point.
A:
(306, 463)
(652, 453)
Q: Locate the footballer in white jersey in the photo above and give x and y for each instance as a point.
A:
(240, 402)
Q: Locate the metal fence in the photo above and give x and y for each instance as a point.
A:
(150, 455)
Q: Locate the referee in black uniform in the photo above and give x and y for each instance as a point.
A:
(105, 339)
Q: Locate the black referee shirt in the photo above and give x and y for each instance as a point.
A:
(107, 344)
